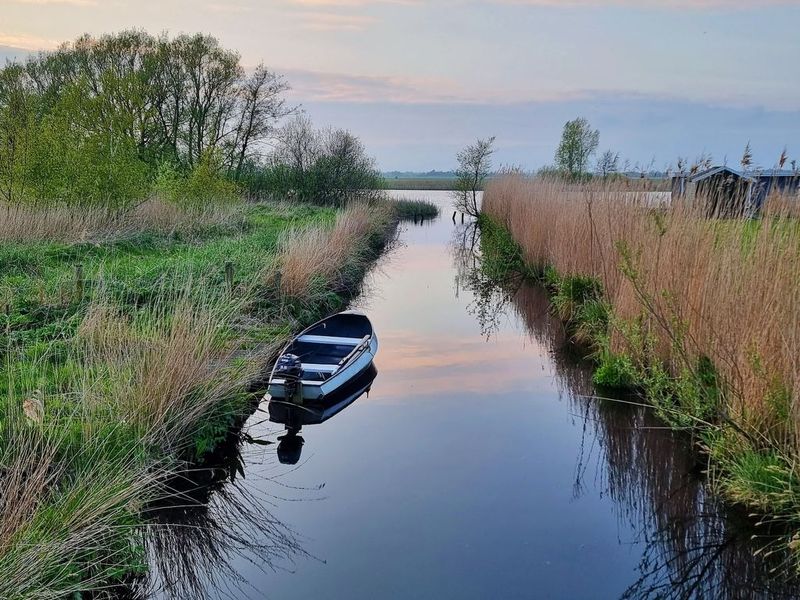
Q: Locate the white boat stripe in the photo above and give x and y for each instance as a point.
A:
(319, 368)
(324, 339)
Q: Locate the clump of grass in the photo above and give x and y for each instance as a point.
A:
(70, 495)
(326, 258)
(410, 209)
(125, 358)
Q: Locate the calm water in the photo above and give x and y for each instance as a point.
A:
(479, 466)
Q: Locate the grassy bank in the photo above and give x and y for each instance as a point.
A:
(698, 315)
(128, 343)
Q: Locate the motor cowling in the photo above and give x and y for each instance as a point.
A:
(290, 369)
(289, 365)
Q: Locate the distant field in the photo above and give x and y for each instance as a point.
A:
(411, 183)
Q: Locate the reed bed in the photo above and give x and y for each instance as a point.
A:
(690, 297)
(61, 223)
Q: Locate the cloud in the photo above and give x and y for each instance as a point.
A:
(341, 87)
(227, 8)
(27, 42)
(345, 3)
(62, 2)
(655, 4)
(322, 21)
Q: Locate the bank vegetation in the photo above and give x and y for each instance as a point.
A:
(699, 315)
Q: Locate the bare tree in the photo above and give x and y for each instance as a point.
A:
(262, 105)
(297, 144)
(474, 166)
(608, 163)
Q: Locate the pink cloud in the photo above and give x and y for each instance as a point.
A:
(27, 42)
(655, 4)
(343, 3)
(322, 21)
(63, 2)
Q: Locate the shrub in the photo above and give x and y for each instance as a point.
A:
(615, 371)
(205, 185)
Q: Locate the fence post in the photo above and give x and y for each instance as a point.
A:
(79, 282)
(229, 275)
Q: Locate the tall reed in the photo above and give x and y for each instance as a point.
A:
(63, 223)
(683, 288)
(325, 257)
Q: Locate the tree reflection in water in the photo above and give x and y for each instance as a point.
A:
(692, 545)
(213, 520)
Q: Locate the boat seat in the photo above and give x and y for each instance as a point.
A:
(319, 368)
(324, 339)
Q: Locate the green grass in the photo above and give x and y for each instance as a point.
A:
(408, 209)
(113, 383)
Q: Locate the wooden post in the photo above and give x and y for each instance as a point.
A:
(454, 216)
(462, 217)
(229, 275)
(79, 282)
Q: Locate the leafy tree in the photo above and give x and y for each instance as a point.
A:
(474, 166)
(164, 99)
(17, 121)
(578, 143)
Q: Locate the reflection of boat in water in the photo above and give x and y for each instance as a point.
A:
(294, 416)
(324, 358)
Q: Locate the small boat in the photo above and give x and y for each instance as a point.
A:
(324, 358)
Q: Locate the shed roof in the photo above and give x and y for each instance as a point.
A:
(718, 170)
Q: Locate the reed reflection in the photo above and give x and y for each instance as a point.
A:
(692, 546)
(213, 521)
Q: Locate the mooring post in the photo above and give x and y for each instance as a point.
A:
(229, 275)
(462, 218)
(79, 282)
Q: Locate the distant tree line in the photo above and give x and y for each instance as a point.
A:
(106, 120)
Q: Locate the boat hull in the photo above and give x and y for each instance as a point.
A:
(314, 391)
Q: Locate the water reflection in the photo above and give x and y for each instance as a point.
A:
(294, 417)
(692, 545)
(197, 539)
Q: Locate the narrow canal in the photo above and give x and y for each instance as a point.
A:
(480, 465)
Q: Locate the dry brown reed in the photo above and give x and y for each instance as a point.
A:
(59, 513)
(728, 290)
(24, 223)
(322, 255)
(165, 368)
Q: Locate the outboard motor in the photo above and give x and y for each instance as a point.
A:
(290, 369)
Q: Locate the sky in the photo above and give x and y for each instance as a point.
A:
(419, 79)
